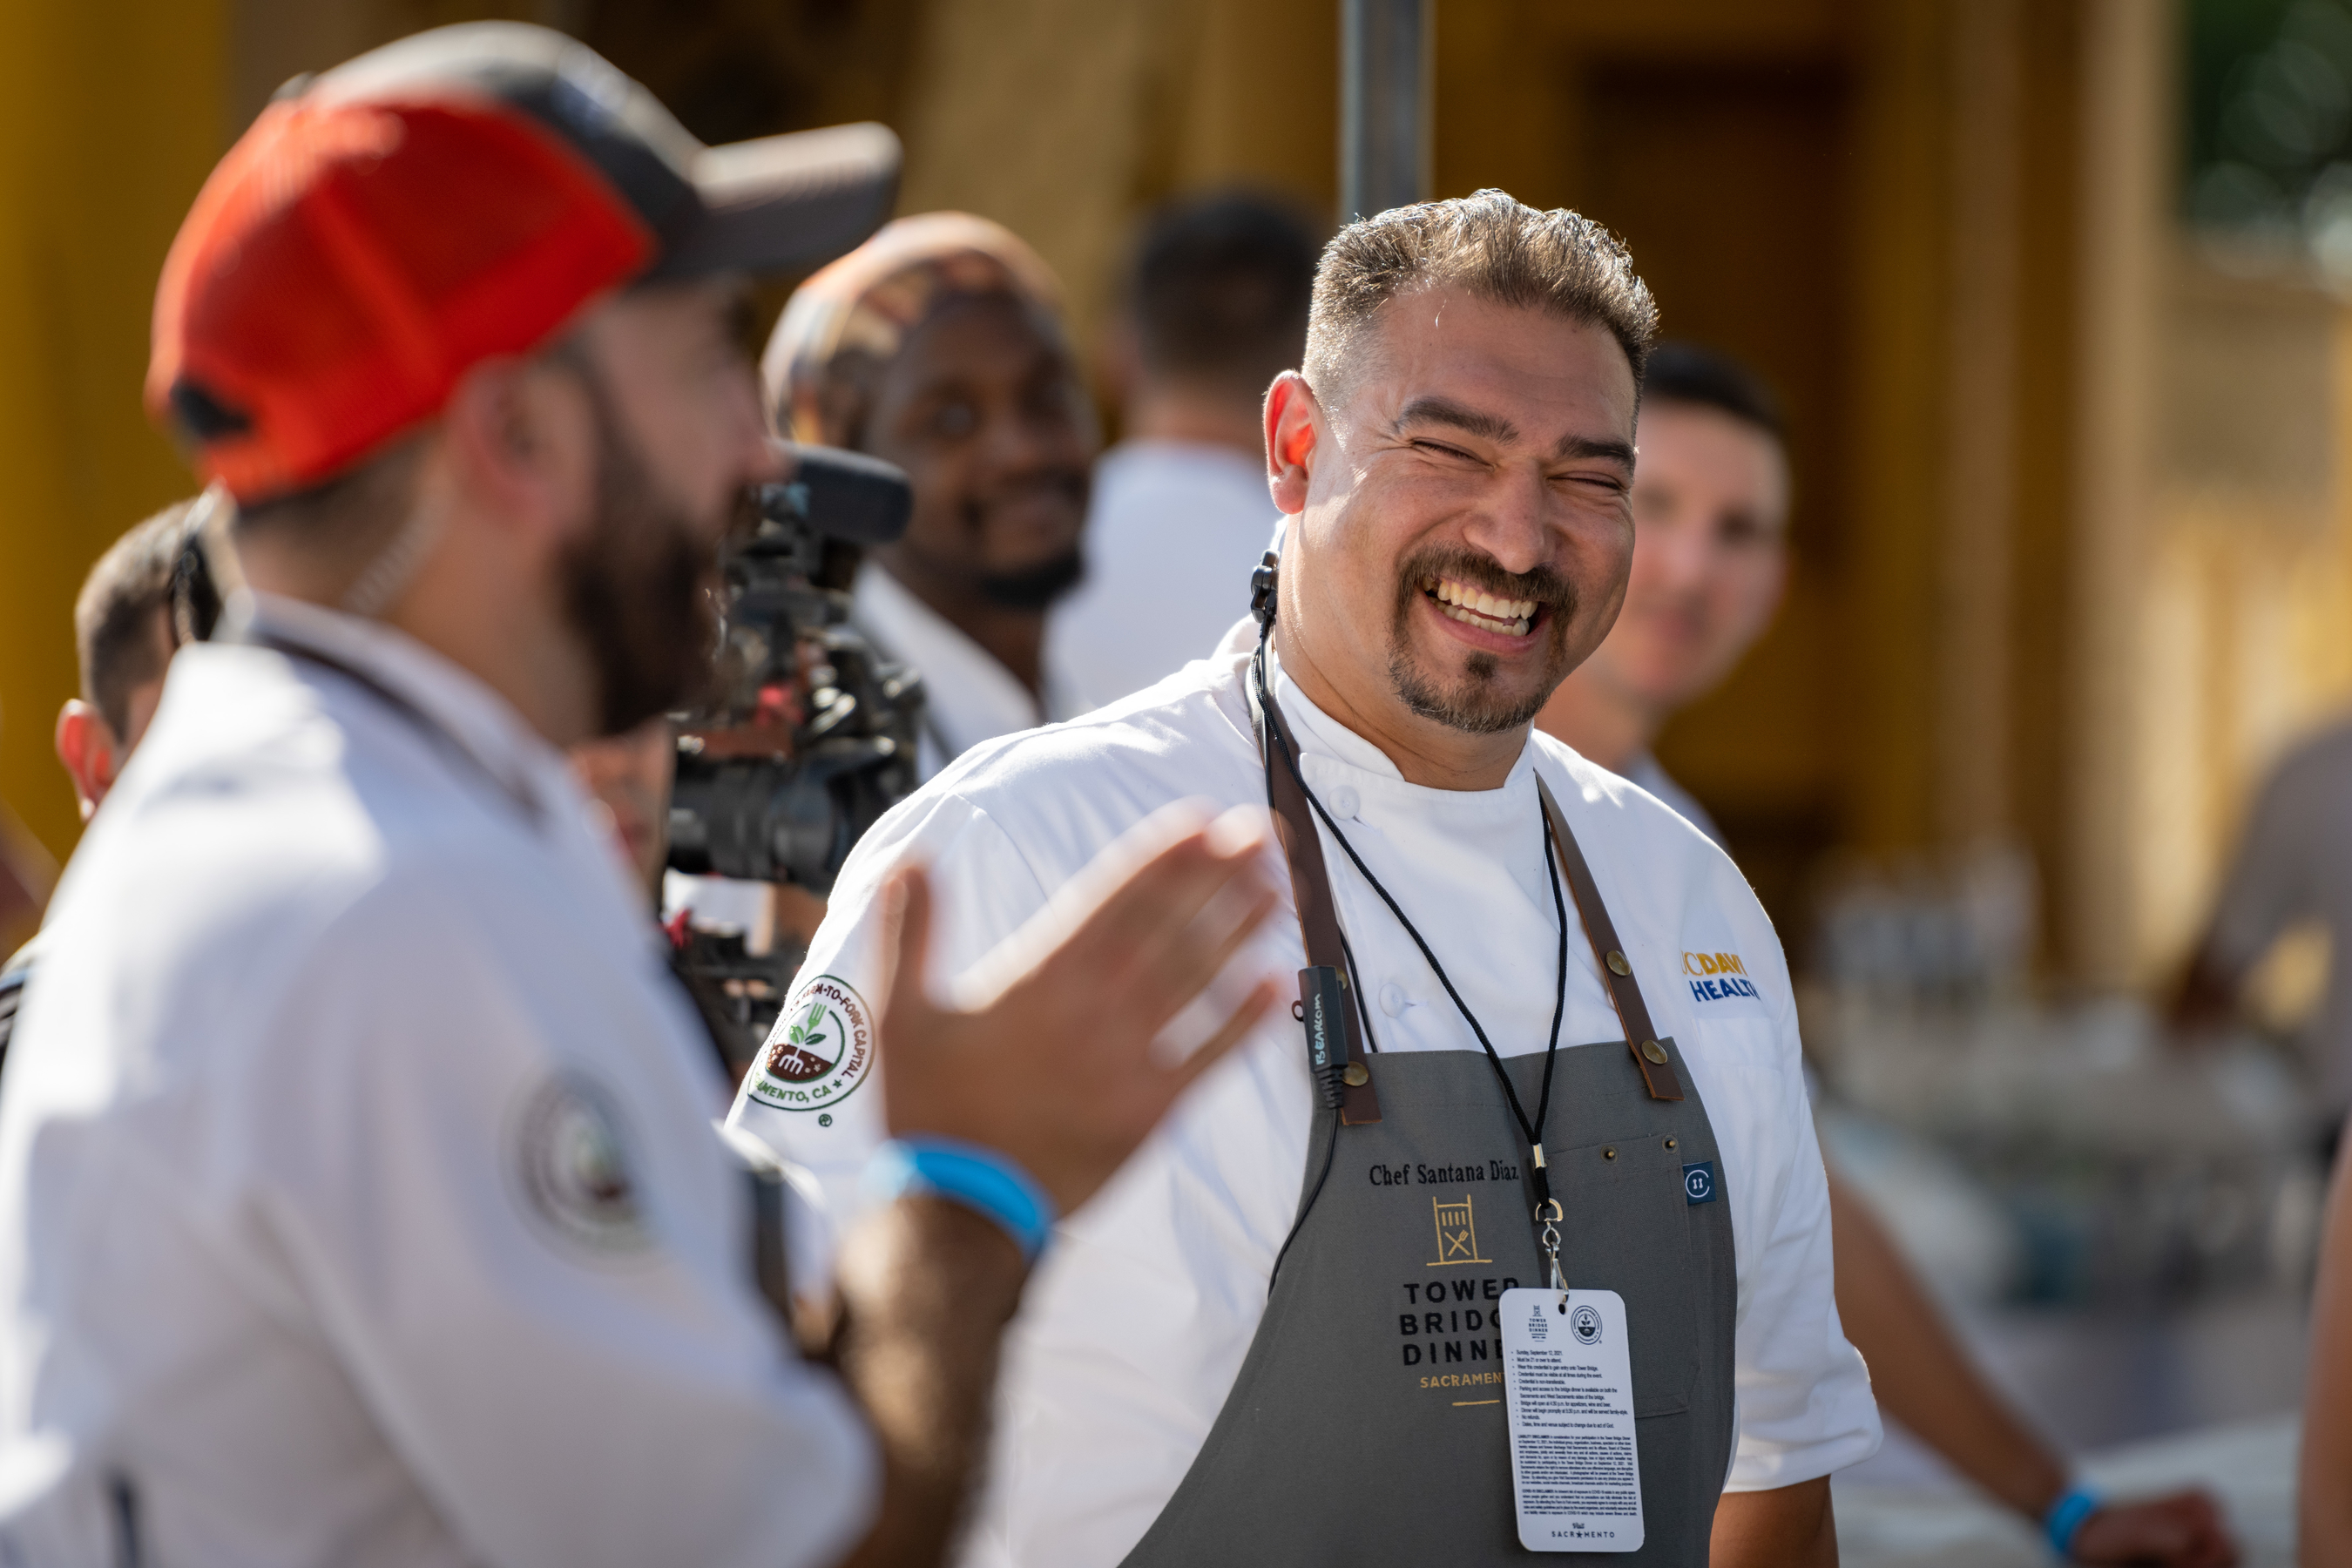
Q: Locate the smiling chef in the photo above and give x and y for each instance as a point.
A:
(1511, 1242)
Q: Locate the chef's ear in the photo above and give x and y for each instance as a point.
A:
(1292, 420)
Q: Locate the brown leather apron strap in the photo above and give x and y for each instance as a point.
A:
(1653, 1056)
(1319, 918)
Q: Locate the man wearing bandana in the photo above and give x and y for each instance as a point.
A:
(939, 345)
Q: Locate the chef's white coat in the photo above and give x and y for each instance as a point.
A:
(967, 696)
(1145, 1304)
(359, 1198)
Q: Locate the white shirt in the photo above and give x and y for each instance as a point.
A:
(967, 696)
(358, 1200)
(2295, 863)
(1142, 1310)
(1175, 529)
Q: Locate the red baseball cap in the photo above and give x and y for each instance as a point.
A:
(457, 194)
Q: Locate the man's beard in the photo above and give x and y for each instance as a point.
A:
(1035, 587)
(637, 587)
(1471, 703)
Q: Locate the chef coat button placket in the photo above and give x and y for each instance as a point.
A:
(1617, 965)
(1342, 803)
(1392, 999)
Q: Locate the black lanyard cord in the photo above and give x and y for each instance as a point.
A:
(1533, 1130)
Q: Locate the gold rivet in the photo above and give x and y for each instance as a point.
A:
(1609, 1153)
(1654, 1051)
(1670, 1142)
(1356, 1075)
(1617, 963)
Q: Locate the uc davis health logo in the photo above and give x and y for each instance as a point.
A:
(822, 1047)
(1717, 977)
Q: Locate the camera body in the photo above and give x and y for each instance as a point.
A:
(806, 737)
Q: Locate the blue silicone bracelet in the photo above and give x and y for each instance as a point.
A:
(976, 1177)
(2065, 1520)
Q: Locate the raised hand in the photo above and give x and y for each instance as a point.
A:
(1049, 1053)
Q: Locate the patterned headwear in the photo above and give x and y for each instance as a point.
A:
(851, 319)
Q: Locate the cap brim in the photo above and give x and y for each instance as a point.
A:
(786, 204)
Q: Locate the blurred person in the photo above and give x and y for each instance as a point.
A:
(1214, 307)
(2324, 1468)
(939, 345)
(1241, 1353)
(360, 1199)
(1710, 503)
(2293, 866)
(123, 638)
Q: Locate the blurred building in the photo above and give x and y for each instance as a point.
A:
(2074, 538)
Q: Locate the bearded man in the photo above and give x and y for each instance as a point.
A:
(359, 1202)
(939, 345)
(1359, 1305)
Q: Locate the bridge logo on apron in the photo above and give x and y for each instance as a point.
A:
(1457, 1234)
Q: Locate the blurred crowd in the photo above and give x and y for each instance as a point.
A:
(1040, 576)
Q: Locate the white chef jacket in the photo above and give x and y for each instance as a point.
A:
(1174, 532)
(1142, 1308)
(967, 696)
(359, 1203)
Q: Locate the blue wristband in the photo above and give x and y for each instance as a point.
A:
(977, 1178)
(2065, 1520)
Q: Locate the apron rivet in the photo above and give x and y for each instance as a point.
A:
(1670, 1142)
(1356, 1075)
(1609, 1153)
(1617, 965)
(1654, 1051)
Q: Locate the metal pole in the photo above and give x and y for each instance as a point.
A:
(1384, 61)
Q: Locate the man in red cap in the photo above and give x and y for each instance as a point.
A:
(359, 1203)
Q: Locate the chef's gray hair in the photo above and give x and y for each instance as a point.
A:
(1490, 244)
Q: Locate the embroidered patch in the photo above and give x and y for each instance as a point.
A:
(822, 1049)
(571, 1159)
(1698, 1183)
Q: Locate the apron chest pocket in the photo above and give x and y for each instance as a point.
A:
(1626, 1226)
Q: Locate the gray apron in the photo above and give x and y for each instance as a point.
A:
(1366, 1424)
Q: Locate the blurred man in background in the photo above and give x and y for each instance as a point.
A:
(359, 1196)
(123, 638)
(2293, 868)
(1214, 309)
(939, 345)
(1710, 559)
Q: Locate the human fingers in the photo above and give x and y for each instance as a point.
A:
(1160, 888)
(1174, 970)
(1235, 1028)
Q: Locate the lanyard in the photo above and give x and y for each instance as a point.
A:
(1296, 808)
(1277, 741)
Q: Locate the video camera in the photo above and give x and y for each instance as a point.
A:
(808, 734)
